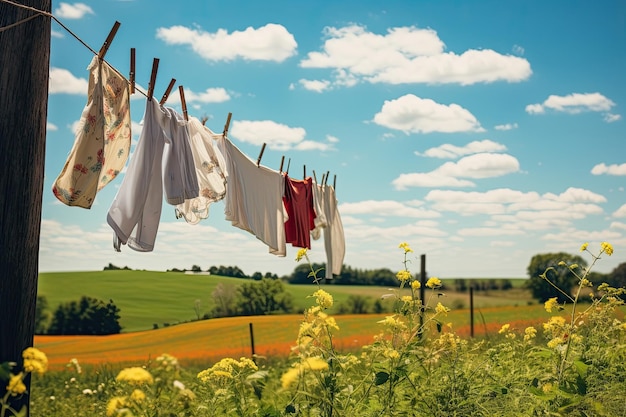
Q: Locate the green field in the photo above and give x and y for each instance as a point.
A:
(146, 298)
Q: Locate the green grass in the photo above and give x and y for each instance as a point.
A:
(146, 298)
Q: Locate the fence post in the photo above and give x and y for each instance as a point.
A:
(422, 290)
(252, 342)
(472, 310)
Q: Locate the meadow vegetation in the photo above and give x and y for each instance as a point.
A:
(416, 364)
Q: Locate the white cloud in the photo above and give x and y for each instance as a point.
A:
(620, 212)
(612, 169)
(51, 127)
(518, 50)
(618, 225)
(275, 135)
(210, 95)
(507, 126)
(409, 55)
(387, 208)
(481, 165)
(451, 151)
(610, 118)
(271, 42)
(412, 114)
(315, 85)
(63, 82)
(332, 139)
(573, 104)
(72, 11)
(56, 34)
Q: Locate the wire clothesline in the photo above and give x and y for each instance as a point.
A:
(131, 82)
(50, 15)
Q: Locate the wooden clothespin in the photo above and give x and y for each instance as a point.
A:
(334, 181)
(304, 173)
(314, 176)
(288, 163)
(153, 74)
(327, 175)
(109, 39)
(227, 124)
(132, 71)
(181, 92)
(323, 177)
(282, 161)
(258, 160)
(167, 91)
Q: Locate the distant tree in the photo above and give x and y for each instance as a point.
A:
(196, 268)
(267, 296)
(42, 315)
(355, 304)
(257, 276)
(88, 316)
(197, 305)
(460, 285)
(270, 275)
(301, 273)
(560, 276)
(617, 277)
(224, 298)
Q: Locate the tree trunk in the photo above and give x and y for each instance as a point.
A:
(24, 67)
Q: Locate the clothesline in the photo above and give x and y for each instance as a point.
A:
(50, 15)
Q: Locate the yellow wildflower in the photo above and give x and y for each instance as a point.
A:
(405, 246)
(393, 323)
(433, 282)
(406, 299)
(35, 360)
(391, 353)
(403, 275)
(16, 385)
(416, 285)
(315, 364)
(135, 376)
(584, 246)
(301, 254)
(441, 309)
(585, 283)
(607, 248)
(115, 404)
(550, 304)
(324, 299)
(504, 328)
(557, 341)
(529, 333)
(138, 395)
(289, 377)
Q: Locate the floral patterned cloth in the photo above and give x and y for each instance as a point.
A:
(102, 141)
(210, 169)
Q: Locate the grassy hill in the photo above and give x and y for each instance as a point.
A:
(146, 298)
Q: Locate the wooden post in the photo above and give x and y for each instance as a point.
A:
(252, 343)
(472, 310)
(25, 58)
(422, 289)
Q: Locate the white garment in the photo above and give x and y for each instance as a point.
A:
(210, 171)
(320, 216)
(254, 198)
(179, 172)
(136, 210)
(334, 238)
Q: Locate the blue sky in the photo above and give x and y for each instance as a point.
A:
(480, 132)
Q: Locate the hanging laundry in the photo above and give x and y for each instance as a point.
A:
(334, 238)
(298, 200)
(179, 172)
(102, 139)
(320, 216)
(135, 212)
(254, 199)
(210, 171)
(162, 162)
